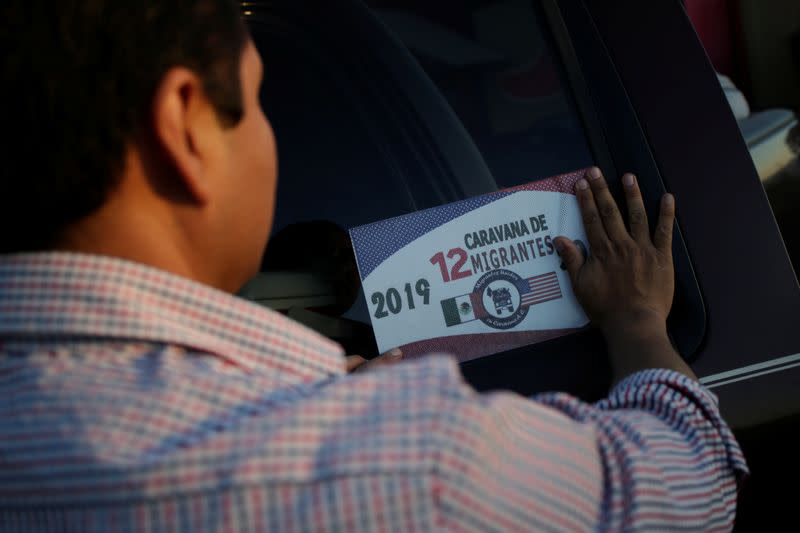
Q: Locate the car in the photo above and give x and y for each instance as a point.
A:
(386, 107)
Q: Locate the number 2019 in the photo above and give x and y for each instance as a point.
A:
(393, 301)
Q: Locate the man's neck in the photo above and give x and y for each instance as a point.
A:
(142, 232)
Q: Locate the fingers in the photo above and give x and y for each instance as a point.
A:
(353, 362)
(592, 223)
(356, 363)
(571, 255)
(637, 216)
(607, 206)
(666, 221)
(392, 356)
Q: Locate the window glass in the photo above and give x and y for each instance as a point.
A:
(496, 64)
(471, 99)
(389, 108)
(773, 139)
(755, 49)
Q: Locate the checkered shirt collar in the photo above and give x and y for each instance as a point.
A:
(56, 295)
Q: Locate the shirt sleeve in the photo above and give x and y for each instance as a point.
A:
(654, 455)
(669, 459)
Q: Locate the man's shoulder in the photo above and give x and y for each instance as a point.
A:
(392, 420)
(432, 374)
(403, 405)
(180, 422)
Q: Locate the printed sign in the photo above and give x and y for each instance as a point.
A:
(474, 277)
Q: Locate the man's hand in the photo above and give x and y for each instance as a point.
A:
(356, 363)
(628, 276)
(627, 283)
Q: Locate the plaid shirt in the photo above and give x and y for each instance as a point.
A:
(135, 400)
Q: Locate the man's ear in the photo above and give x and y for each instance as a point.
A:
(186, 129)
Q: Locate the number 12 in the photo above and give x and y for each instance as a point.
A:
(457, 271)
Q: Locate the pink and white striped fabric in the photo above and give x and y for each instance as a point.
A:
(134, 400)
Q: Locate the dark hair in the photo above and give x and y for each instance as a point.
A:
(78, 80)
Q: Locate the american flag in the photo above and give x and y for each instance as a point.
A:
(539, 289)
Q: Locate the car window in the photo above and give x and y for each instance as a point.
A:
(496, 64)
(755, 49)
(394, 107)
(366, 131)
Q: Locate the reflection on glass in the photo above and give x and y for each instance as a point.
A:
(495, 63)
(773, 140)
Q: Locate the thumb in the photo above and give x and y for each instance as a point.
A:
(571, 256)
(356, 363)
(353, 362)
(388, 358)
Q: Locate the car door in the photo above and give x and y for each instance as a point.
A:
(386, 107)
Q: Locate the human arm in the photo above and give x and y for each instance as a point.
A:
(626, 284)
(654, 455)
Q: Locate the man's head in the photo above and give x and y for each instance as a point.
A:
(136, 131)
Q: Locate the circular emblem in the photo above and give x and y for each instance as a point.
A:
(499, 290)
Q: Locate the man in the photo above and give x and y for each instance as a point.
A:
(139, 395)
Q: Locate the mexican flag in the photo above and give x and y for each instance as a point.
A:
(462, 309)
